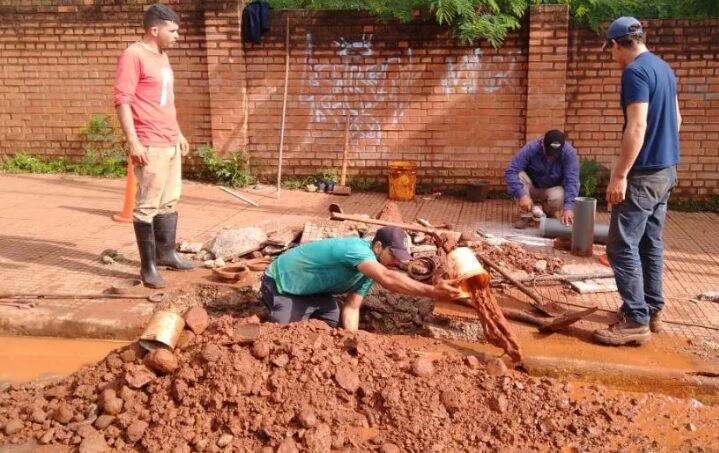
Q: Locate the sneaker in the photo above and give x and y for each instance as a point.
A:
(522, 223)
(655, 322)
(624, 331)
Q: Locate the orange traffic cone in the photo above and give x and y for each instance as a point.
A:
(130, 191)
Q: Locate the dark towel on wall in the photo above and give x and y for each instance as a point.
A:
(256, 20)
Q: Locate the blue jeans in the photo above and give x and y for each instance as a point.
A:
(635, 247)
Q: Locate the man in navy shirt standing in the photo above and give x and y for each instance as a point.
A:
(641, 181)
(545, 171)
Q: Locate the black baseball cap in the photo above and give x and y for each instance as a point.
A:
(554, 141)
(397, 241)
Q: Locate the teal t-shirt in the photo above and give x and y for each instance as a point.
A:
(328, 266)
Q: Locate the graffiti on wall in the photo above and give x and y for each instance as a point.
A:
(362, 86)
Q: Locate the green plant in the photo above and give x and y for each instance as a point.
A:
(367, 185)
(709, 205)
(234, 171)
(298, 182)
(591, 175)
(328, 174)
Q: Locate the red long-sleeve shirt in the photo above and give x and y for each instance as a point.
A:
(145, 82)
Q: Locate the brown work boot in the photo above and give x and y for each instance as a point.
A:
(624, 331)
(655, 322)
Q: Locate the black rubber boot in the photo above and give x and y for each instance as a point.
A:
(146, 244)
(165, 235)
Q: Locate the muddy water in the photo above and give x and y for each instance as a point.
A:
(494, 325)
(29, 358)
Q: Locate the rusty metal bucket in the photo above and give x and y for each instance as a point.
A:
(465, 265)
(162, 331)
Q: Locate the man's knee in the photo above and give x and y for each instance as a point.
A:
(554, 200)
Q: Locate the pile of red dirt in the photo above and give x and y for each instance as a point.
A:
(512, 255)
(306, 387)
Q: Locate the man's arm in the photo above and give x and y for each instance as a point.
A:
(679, 115)
(128, 75)
(350, 311)
(518, 164)
(400, 283)
(632, 142)
(571, 178)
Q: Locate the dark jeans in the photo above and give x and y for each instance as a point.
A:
(635, 247)
(287, 308)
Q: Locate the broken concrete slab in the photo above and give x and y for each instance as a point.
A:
(595, 285)
(236, 242)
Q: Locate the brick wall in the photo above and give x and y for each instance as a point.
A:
(411, 94)
(410, 90)
(58, 67)
(594, 118)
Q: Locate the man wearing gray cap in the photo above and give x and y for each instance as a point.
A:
(304, 282)
(641, 182)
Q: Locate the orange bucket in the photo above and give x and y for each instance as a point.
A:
(402, 180)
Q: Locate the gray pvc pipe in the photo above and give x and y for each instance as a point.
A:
(585, 209)
(553, 228)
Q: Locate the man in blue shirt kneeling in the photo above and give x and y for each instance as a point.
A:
(546, 172)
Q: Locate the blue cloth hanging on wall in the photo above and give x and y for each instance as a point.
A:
(256, 20)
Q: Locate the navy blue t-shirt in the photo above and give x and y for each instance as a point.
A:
(650, 79)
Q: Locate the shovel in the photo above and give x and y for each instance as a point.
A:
(342, 188)
(156, 297)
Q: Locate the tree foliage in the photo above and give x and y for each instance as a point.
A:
(493, 19)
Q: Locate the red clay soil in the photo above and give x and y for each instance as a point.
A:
(512, 255)
(496, 329)
(306, 387)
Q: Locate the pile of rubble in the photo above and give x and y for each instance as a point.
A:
(239, 386)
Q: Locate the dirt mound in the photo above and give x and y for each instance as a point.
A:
(513, 256)
(306, 387)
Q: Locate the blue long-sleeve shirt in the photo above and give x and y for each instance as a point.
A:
(543, 172)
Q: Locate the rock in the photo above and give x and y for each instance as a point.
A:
(225, 440)
(64, 414)
(94, 444)
(472, 361)
(103, 421)
(347, 379)
(38, 416)
(288, 446)
(210, 264)
(307, 418)
(196, 319)
(190, 247)
(219, 262)
(107, 259)
(498, 403)
(161, 360)
(319, 439)
(179, 390)
(469, 236)
(260, 350)
(451, 401)
(496, 367)
(128, 355)
(422, 367)
(13, 426)
(281, 360)
(114, 361)
(691, 427)
(136, 430)
(186, 338)
(138, 376)
(200, 445)
(47, 436)
(419, 238)
(390, 448)
(236, 242)
(540, 266)
(211, 353)
(112, 406)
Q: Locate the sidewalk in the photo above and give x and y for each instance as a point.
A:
(53, 229)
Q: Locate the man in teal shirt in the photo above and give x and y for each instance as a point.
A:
(303, 283)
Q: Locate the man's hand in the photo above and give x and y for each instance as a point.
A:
(616, 190)
(446, 290)
(184, 145)
(567, 217)
(137, 153)
(525, 203)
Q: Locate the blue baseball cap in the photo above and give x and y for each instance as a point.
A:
(624, 26)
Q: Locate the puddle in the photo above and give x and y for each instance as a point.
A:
(29, 358)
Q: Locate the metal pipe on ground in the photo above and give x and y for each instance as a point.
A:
(553, 228)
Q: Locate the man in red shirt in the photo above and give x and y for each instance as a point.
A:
(145, 104)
